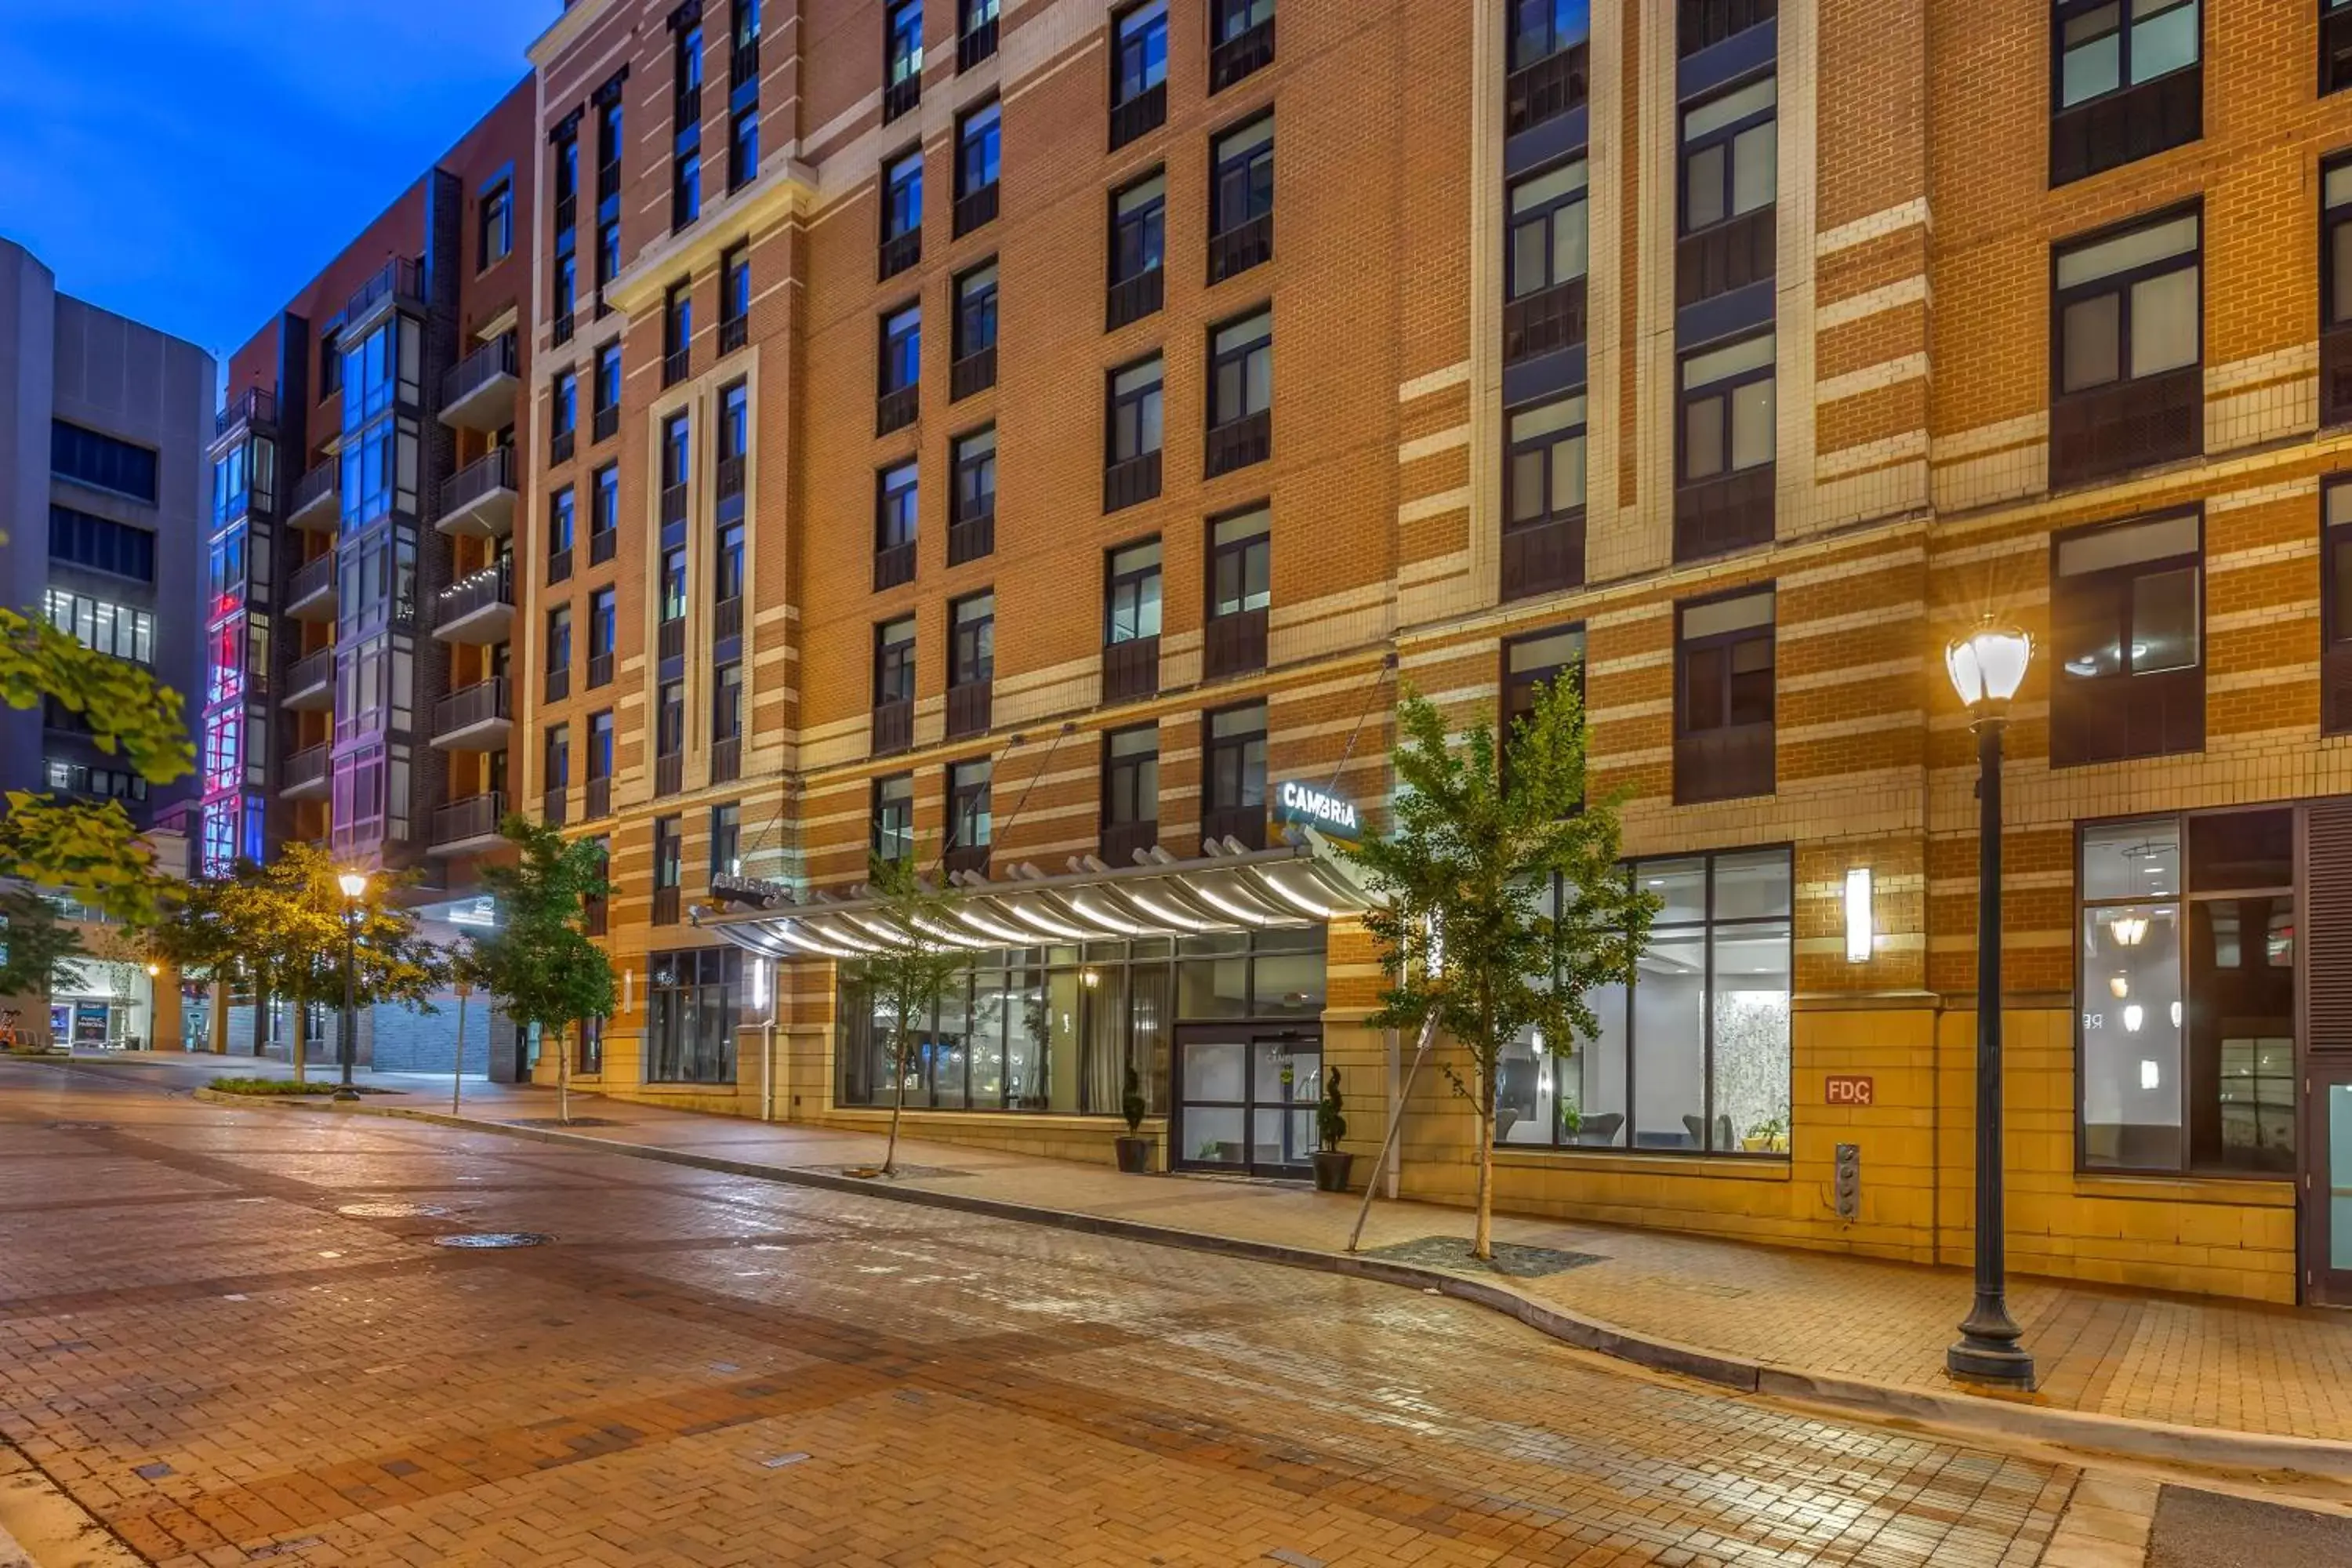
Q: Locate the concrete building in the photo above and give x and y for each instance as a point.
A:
(103, 423)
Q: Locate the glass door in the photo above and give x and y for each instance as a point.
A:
(2328, 1185)
(1245, 1101)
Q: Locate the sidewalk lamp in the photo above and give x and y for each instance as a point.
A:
(355, 885)
(1988, 666)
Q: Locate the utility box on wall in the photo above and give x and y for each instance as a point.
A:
(1846, 1185)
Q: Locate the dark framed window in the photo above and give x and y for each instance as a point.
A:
(101, 545)
(567, 287)
(2186, 1023)
(980, 140)
(599, 745)
(686, 61)
(1241, 197)
(673, 584)
(604, 512)
(1725, 739)
(902, 57)
(894, 816)
(1536, 660)
(608, 258)
(102, 461)
(690, 1015)
(902, 349)
(2126, 613)
(1139, 227)
(555, 757)
(727, 576)
(894, 661)
(734, 420)
(976, 26)
(726, 840)
(1234, 761)
(1551, 224)
(559, 522)
(1131, 776)
(495, 232)
(559, 640)
(726, 713)
(1544, 471)
(677, 332)
(330, 363)
(970, 826)
(563, 404)
(604, 627)
(1136, 394)
(975, 475)
(1541, 28)
(1728, 416)
(1241, 564)
(1731, 154)
(686, 185)
(743, 146)
(975, 322)
(1131, 596)
(607, 389)
(2125, 82)
(669, 725)
(902, 212)
(1139, 51)
(2127, 305)
(971, 640)
(1241, 369)
(2336, 605)
(896, 493)
(734, 297)
(677, 451)
(2334, 46)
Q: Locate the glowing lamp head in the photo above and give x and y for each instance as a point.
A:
(1988, 664)
(355, 885)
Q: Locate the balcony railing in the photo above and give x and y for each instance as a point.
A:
(487, 369)
(976, 45)
(971, 538)
(900, 251)
(1551, 87)
(560, 445)
(1132, 299)
(901, 96)
(1146, 111)
(727, 476)
(1545, 556)
(1729, 762)
(1132, 482)
(602, 544)
(1238, 443)
(469, 817)
(483, 702)
(480, 496)
(2131, 425)
(677, 363)
(554, 802)
(744, 63)
(605, 423)
(897, 409)
(2125, 127)
(1122, 840)
(1239, 56)
(727, 618)
(970, 706)
(976, 372)
(894, 565)
(492, 585)
(673, 503)
(1130, 669)
(252, 406)
(1245, 824)
(597, 800)
(600, 670)
(894, 726)
(665, 907)
(726, 759)
(669, 772)
(1543, 322)
(305, 770)
(311, 503)
(1715, 516)
(1240, 247)
(312, 675)
(558, 684)
(399, 278)
(975, 208)
(669, 637)
(1234, 644)
(558, 566)
(1727, 257)
(310, 579)
(734, 332)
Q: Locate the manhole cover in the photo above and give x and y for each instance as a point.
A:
(392, 1211)
(81, 1126)
(491, 1239)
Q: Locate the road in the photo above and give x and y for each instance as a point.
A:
(231, 1335)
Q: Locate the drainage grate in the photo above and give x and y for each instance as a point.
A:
(490, 1240)
(392, 1211)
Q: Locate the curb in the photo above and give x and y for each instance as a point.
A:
(2219, 1447)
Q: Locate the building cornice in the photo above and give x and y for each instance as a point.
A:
(789, 187)
(565, 31)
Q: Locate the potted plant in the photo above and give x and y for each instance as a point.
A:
(1134, 1150)
(1769, 1135)
(1331, 1162)
(1571, 1117)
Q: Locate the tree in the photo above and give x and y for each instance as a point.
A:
(907, 974)
(1471, 935)
(539, 960)
(36, 950)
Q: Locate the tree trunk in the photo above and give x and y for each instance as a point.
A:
(897, 1100)
(1482, 1245)
(562, 1080)
(300, 1050)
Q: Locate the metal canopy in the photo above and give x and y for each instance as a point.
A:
(1228, 890)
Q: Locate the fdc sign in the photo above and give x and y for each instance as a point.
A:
(1318, 808)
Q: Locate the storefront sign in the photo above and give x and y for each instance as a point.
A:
(1317, 808)
(1849, 1091)
(752, 892)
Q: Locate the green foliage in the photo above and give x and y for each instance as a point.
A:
(279, 1088)
(907, 974)
(40, 949)
(86, 847)
(1130, 1101)
(539, 963)
(1330, 1126)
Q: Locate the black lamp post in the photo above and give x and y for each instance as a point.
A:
(1987, 667)
(355, 886)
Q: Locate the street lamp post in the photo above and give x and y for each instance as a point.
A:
(1987, 667)
(355, 886)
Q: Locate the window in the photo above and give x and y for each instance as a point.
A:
(1135, 411)
(894, 816)
(559, 640)
(734, 420)
(726, 841)
(727, 703)
(975, 324)
(495, 229)
(2127, 621)
(902, 51)
(567, 287)
(606, 386)
(1727, 409)
(894, 661)
(969, 824)
(727, 580)
(979, 148)
(902, 212)
(1241, 198)
(2334, 46)
(2335, 607)
(743, 146)
(2107, 46)
(1730, 156)
(902, 350)
(1234, 769)
(1541, 28)
(677, 332)
(559, 522)
(599, 745)
(1545, 478)
(1694, 1057)
(101, 462)
(669, 719)
(608, 258)
(686, 186)
(1533, 662)
(563, 406)
(1139, 51)
(104, 627)
(677, 452)
(604, 517)
(687, 27)
(971, 649)
(330, 363)
(976, 23)
(102, 784)
(1131, 776)
(563, 166)
(555, 759)
(673, 584)
(1132, 598)
(734, 299)
(101, 545)
(895, 512)
(976, 476)
(1550, 229)
(2129, 306)
(603, 625)
(1241, 564)
(1139, 224)
(1724, 735)
(2187, 993)
(690, 1015)
(686, 116)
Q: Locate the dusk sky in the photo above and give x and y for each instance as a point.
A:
(192, 163)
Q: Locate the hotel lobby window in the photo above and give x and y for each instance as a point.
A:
(1694, 1057)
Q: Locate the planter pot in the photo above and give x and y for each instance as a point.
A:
(1331, 1170)
(1135, 1156)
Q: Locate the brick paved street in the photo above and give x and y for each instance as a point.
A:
(204, 1351)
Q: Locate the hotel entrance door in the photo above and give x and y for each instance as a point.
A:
(1245, 1100)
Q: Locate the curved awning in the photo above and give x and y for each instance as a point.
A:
(1227, 891)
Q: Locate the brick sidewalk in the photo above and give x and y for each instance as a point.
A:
(2182, 1361)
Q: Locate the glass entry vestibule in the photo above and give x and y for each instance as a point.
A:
(1245, 1100)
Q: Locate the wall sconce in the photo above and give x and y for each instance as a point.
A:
(1858, 922)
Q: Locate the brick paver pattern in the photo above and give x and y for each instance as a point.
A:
(710, 1369)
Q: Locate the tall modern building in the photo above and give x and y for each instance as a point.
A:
(103, 423)
(359, 596)
(1043, 439)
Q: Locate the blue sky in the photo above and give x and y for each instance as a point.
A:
(189, 162)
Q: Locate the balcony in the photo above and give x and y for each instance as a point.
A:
(1555, 85)
(1715, 516)
(669, 774)
(1238, 443)
(669, 638)
(558, 566)
(1730, 762)
(897, 409)
(250, 407)
(727, 476)
(976, 372)
(1727, 257)
(478, 392)
(1240, 55)
(1544, 556)
(1146, 111)
(1245, 244)
(968, 859)
(597, 800)
(400, 280)
(478, 610)
(894, 565)
(1245, 824)
(605, 423)
(311, 589)
(2125, 127)
(1132, 299)
(726, 759)
(473, 718)
(1541, 322)
(478, 502)
(976, 46)
(600, 670)
(1234, 644)
(312, 502)
(554, 802)
(1132, 482)
(602, 544)
(970, 706)
(1130, 669)
(311, 682)
(727, 619)
(900, 251)
(676, 364)
(976, 209)
(304, 774)
(1123, 841)
(468, 824)
(971, 538)
(894, 726)
(2131, 425)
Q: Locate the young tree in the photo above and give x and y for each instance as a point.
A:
(36, 950)
(539, 960)
(907, 976)
(1470, 934)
